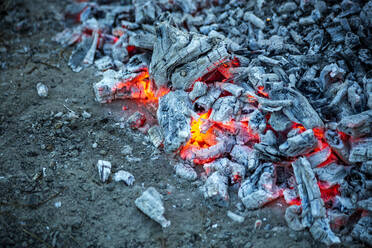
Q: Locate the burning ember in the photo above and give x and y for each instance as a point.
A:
(249, 113)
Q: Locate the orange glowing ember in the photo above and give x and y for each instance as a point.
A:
(261, 92)
(140, 88)
(299, 126)
(198, 138)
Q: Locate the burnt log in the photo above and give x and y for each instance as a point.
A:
(177, 56)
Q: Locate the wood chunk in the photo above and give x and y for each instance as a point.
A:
(185, 171)
(361, 150)
(150, 203)
(299, 144)
(356, 125)
(338, 145)
(199, 89)
(308, 190)
(300, 111)
(362, 230)
(279, 122)
(216, 187)
(332, 174)
(259, 189)
(143, 40)
(174, 48)
(174, 118)
(177, 56)
(184, 76)
(224, 109)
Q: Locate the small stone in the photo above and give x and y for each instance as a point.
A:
(104, 169)
(94, 145)
(258, 224)
(58, 204)
(124, 176)
(86, 115)
(42, 90)
(58, 115)
(150, 203)
(235, 217)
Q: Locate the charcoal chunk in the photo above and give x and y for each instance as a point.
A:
(259, 189)
(300, 111)
(279, 122)
(361, 150)
(356, 125)
(366, 14)
(216, 187)
(299, 144)
(150, 203)
(363, 230)
(185, 171)
(174, 118)
(199, 89)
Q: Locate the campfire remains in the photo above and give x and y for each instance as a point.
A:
(275, 100)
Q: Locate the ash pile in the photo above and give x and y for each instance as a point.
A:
(271, 97)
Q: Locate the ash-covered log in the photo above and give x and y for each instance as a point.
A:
(181, 58)
(260, 188)
(174, 116)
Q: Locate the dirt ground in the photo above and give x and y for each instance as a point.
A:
(68, 206)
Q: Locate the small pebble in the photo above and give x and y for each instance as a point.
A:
(86, 115)
(42, 90)
(58, 204)
(58, 115)
(94, 145)
(258, 224)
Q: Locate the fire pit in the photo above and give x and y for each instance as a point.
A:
(276, 102)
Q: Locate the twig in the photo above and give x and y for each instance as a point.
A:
(68, 108)
(37, 238)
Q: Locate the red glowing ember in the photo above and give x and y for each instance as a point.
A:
(328, 193)
(140, 88)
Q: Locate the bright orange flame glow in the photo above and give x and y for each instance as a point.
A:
(261, 91)
(199, 139)
(140, 88)
(299, 126)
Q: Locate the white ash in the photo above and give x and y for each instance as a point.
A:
(42, 90)
(185, 171)
(150, 203)
(104, 170)
(235, 217)
(124, 176)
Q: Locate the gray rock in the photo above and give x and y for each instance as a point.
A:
(150, 203)
(104, 170)
(124, 176)
(185, 171)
